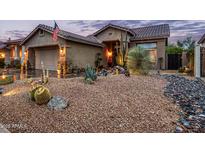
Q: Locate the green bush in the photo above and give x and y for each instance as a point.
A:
(6, 80)
(138, 61)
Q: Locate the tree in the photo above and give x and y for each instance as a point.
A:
(173, 49)
(187, 45)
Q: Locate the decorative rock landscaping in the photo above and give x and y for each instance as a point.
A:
(57, 103)
(114, 103)
(190, 96)
(1, 90)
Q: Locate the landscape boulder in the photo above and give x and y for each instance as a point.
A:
(57, 103)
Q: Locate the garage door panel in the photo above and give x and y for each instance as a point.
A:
(49, 57)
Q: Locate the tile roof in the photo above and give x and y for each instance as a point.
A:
(151, 32)
(17, 41)
(201, 39)
(113, 26)
(67, 35)
(142, 33)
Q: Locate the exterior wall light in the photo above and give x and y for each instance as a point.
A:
(2, 55)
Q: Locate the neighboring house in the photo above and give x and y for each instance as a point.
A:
(38, 47)
(3, 49)
(10, 51)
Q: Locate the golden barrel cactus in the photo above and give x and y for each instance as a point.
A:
(32, 92)
(42, 95)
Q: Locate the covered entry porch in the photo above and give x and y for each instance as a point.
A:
(116, 52)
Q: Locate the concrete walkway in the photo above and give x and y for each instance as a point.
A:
(3, 129)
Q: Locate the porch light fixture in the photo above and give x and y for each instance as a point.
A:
(2, 55)
(109, 53)
(61, 51)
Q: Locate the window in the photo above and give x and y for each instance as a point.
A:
(148, 45)
(152, 49)
(110, 33)
(41, 32)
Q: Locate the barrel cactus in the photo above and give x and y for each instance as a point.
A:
(42, 95)
(32, 92)
(90, 73)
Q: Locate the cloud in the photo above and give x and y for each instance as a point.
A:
(15, 34)
(179, 29)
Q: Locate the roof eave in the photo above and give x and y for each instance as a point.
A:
(149, 38)
(70, 38)
(201, 39)
(109, 25)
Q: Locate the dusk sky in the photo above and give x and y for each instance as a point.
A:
(180, 29)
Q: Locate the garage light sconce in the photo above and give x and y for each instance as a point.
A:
(62, 51)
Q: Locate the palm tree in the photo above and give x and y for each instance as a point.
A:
(188, 45)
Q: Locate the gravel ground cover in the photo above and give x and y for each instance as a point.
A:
(112, 104)
(189, 94)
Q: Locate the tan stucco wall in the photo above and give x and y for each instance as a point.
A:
(81, 54)
(161, 47)
(46, 40)
(115, 35)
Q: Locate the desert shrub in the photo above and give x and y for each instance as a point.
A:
(181, 69)
(98, 60)
(138, 61)
(6, 79)
(188, 71)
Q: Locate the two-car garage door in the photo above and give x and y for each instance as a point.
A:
(49, 57)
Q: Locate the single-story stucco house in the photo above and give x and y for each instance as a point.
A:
(10, 51)
(38, 47)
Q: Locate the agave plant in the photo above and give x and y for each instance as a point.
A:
(90, 73)
(138, 61)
